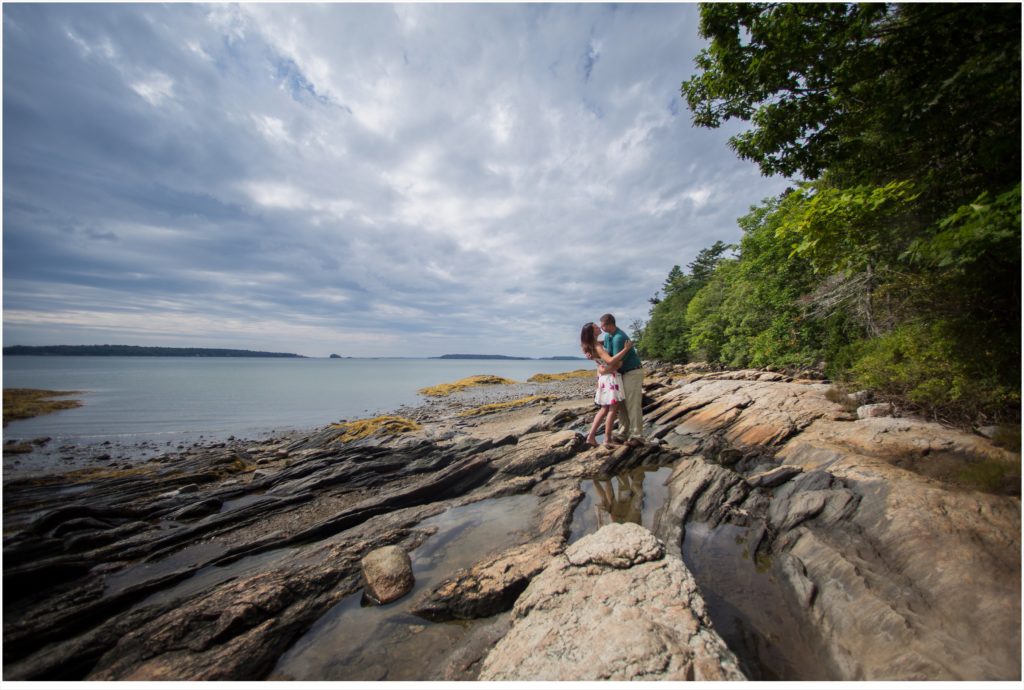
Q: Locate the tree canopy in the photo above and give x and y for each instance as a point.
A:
(894, 260)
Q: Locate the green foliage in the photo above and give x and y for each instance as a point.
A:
(866, 92)
(936, 368)
(707, 260)
(707, 316)
(992, 475)
(985, 229)
(1008, 436)
(780, 66)
(898, 263)
(751, 313)
(666, 333)
(847, 230)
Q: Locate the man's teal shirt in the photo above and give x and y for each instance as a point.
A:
(614, 344)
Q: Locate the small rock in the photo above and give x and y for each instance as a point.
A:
(874, 410)
(15, 448)
(774, 477)
(102, 456)
(387, 574)
(862, 397)
(189, 489)
(988, 432)
(41, 441)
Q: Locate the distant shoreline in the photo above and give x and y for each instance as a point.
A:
(135, 351)
(144, 351)
(506, 357)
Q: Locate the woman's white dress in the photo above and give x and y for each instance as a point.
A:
(609, 389)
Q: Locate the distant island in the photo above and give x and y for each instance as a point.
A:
(501, 357)
(135, 351)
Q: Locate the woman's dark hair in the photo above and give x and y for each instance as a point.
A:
(587, 341)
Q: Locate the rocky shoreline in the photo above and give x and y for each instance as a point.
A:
(828, 537)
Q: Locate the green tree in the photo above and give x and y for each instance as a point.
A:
(902, 252)
(868, 93)
(707, 260)
(666, 333)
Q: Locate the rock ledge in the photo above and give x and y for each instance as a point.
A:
(613, 607)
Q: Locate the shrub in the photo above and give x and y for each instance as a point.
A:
(932, 367)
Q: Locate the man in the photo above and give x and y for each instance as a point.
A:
(631, 418)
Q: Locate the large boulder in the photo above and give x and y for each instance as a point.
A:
(387, 574)
(612, 607)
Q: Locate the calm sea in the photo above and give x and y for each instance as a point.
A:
(131, 399)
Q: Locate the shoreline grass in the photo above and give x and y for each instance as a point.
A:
(390, 425)
(576, 374)
(25, 403)
(445, 389)
(504, 406)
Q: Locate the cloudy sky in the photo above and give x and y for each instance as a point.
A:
(370, 180)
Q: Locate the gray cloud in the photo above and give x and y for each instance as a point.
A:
(366, 179)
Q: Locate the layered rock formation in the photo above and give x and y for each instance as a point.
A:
(900, 574)
(874, 557)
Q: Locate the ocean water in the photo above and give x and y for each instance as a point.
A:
(130, 399)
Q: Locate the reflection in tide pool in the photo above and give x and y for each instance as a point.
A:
(352, 642)
(634, 496)
(748, 606)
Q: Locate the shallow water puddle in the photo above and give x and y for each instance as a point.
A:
(747, 603)
(212, 575)
(749, 606)
(142, 572)
(241, 502)
(633, 496)
(353, 642)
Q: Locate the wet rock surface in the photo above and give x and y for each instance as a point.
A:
(213, 561)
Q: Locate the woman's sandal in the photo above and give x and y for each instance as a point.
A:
(592, 444)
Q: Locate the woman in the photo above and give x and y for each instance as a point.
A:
(609, 383)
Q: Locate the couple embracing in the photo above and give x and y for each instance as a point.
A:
(620, 382)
